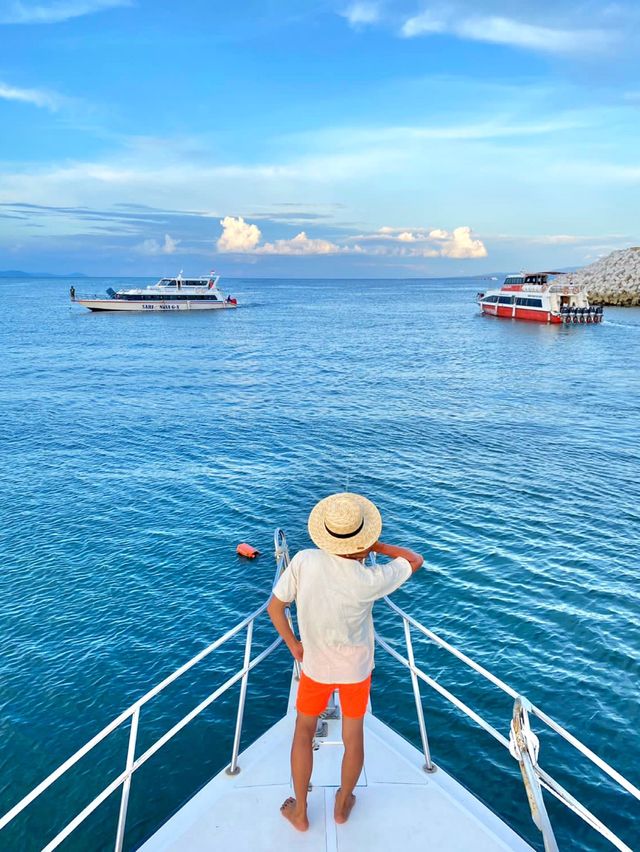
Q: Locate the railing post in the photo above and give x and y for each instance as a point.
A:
(429, 766)
(282, 561)
(524, 745)
(233, 768)
(126, 784)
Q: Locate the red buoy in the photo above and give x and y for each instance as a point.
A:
(246, 550)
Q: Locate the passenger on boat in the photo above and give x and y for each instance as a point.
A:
(334, 594)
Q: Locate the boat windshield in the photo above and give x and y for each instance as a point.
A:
(183, 282)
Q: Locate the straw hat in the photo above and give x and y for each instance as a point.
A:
(344, 523)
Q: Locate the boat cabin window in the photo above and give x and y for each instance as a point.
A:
(505, 300)
(530, 303)
(490, 299)
(514, 279)
(168, 297)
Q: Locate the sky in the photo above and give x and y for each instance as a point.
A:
(312, 138)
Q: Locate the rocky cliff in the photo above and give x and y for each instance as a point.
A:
(612, 280)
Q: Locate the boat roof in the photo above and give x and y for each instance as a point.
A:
(242, 811)
(524, 274)
(196, 279)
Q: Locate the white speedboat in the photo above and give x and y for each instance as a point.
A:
(405, 800)
(169, 294)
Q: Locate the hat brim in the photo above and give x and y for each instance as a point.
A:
(364, 538)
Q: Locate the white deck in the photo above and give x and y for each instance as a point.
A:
(397, 803)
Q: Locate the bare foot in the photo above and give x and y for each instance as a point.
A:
(289, 811)
(343, 808)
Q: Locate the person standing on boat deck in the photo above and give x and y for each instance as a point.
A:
(334, 593)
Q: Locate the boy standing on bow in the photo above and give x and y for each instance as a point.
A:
(334, 593)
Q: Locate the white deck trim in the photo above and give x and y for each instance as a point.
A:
(442, 814)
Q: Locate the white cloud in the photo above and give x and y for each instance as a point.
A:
(510, 32)
(302, 244)
(507, 31)
(35, 97)
(561, 239)
(422, 242)
(244, 238)
(328, 164)
(152, 247)
(18, 12)
(362, 13)
(238, 235)
(423, 24)
(459, 243)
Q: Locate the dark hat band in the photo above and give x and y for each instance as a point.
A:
(344, 535)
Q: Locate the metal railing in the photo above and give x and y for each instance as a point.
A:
(567, 289)
(132, 713)
(522, 743)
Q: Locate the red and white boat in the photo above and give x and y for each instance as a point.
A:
(540, 297)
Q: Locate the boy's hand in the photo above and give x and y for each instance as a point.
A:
(414, 559)
(297, 651)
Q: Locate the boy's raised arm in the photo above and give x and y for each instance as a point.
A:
(414, 559)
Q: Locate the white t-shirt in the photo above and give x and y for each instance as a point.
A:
(334, 598)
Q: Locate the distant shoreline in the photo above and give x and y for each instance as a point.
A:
(11, 273)
(17, 273)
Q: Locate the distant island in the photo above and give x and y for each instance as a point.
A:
(18, 273)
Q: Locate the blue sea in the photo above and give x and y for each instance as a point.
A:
(138, 450)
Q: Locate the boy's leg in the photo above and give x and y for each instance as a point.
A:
(352, 762)
(295, 810)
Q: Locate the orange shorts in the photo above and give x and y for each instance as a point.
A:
(313, 696)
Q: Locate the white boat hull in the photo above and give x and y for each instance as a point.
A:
(157, 307)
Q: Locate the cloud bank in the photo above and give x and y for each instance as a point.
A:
(52, 13)
(361, 13)
(507, 31)
(35, 97)
(301, 244)
(240, 237)
(153, 247)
